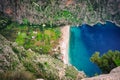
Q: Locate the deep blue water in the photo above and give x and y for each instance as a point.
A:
(86, 40)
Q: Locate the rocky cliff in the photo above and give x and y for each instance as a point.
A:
(16, 58)
(62, 12)
(113, 75)
(8, 59)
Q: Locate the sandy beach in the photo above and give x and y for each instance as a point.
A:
(64, 43)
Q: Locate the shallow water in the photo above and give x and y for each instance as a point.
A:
(86, 40)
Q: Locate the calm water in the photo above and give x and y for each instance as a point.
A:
(85, 40)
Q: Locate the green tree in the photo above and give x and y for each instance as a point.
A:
(107, 61)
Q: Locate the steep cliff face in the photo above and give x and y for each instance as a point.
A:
(62, 11)
(107, 10)
(8, 59)
(113, 75)
(16, 58)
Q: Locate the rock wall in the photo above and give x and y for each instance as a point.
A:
(8, 58)
(113, 75)
(60, 12)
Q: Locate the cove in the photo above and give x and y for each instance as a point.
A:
(86, 40)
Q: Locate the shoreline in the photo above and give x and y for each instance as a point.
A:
(64, 43)
(101, 22)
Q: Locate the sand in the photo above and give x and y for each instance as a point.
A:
(64, 43)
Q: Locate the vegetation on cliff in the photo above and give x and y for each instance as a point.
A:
(33, 26)
(42, 38)
(62, 12)
(107, 61)
(33, 49)
(15, 58)
(24, 75)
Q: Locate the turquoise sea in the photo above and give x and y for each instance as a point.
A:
(86, 40)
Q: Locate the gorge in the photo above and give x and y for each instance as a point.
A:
(32, 33)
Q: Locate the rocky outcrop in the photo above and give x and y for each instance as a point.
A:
(62, 11)
(8, 59)
(113, 75)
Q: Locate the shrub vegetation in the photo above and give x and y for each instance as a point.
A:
(107, 61)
